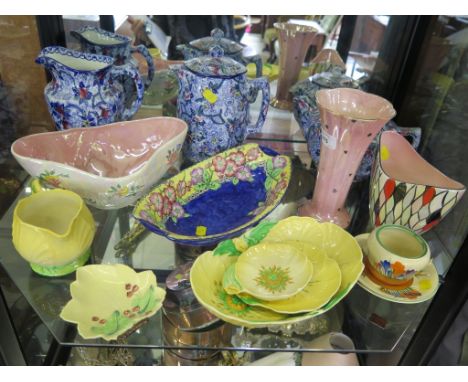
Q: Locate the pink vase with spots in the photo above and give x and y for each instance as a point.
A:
(350, 121)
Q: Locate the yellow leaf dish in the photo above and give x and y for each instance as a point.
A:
(273, 271)
(108, 300)
(325, 282)
(319, 241)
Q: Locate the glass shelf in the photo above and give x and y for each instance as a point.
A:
(374, 325)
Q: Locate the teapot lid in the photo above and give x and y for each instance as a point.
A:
(328, 80)
(217, 38)
(335, 78)
(215, 65)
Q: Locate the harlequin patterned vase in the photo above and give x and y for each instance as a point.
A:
(294, 41)
(417, 196)
(350, 120)
(85, 89)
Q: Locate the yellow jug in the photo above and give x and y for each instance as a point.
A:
(53, 230)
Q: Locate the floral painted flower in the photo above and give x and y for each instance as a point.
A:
(156, 200)
(238, 157)
(178, 211)
(244, 173)
(182, 188)
(167, 206)
(170, 193)
(219, 163)
(279, 162)
(197, 175)
(253, 154)
(398, 268)
(231, 168)
(53, 180)
(144, 215)
(281, 185)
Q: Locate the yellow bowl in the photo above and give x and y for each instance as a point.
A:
(338, 244)
(273, 271)
(325, 282)
(53, 230)
(110, 299)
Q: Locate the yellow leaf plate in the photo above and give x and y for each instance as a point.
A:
(110, 299)
(207, 273)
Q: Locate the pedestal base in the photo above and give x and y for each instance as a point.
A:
(341, 218)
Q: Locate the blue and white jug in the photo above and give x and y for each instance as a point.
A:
(85, 89)
(98, 41)
(214, 97)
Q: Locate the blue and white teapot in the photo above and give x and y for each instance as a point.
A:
(214, 97)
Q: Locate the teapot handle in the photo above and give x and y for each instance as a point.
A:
(143, 50)
(132, 72)
(253, 87)
(257, 60)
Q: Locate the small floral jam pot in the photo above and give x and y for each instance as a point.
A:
(395, 254)
(85, 89)
(214, 97)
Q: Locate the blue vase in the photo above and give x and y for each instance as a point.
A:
(85, 89)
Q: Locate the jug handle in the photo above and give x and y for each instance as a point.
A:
(257, 60)
(143, 50)
(132, 72)
(254, 86)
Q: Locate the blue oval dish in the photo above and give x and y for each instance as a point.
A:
(218, 198)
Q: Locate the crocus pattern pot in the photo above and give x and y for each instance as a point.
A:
(416, 205)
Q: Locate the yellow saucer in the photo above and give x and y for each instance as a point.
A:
(325, 282)
(273, 271)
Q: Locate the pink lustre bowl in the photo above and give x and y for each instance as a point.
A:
(109, 166)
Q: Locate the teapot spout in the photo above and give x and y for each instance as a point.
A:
(187, 51)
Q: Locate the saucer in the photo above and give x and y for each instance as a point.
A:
(423, 288)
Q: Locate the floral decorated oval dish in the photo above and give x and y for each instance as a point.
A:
(217, 198)
(109, 300)
(109, 166)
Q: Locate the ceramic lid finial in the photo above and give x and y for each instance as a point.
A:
(217, 34)
(216, 51)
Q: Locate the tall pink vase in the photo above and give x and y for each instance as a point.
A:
(294, 41)
(350, 121)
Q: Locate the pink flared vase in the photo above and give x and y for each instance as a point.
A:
(294, 41)
(350, 120)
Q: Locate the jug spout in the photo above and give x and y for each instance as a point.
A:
(53, 57)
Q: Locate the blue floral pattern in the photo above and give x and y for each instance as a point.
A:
(232, 49)
(216, 110)
(121, 52)
(80, 98)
